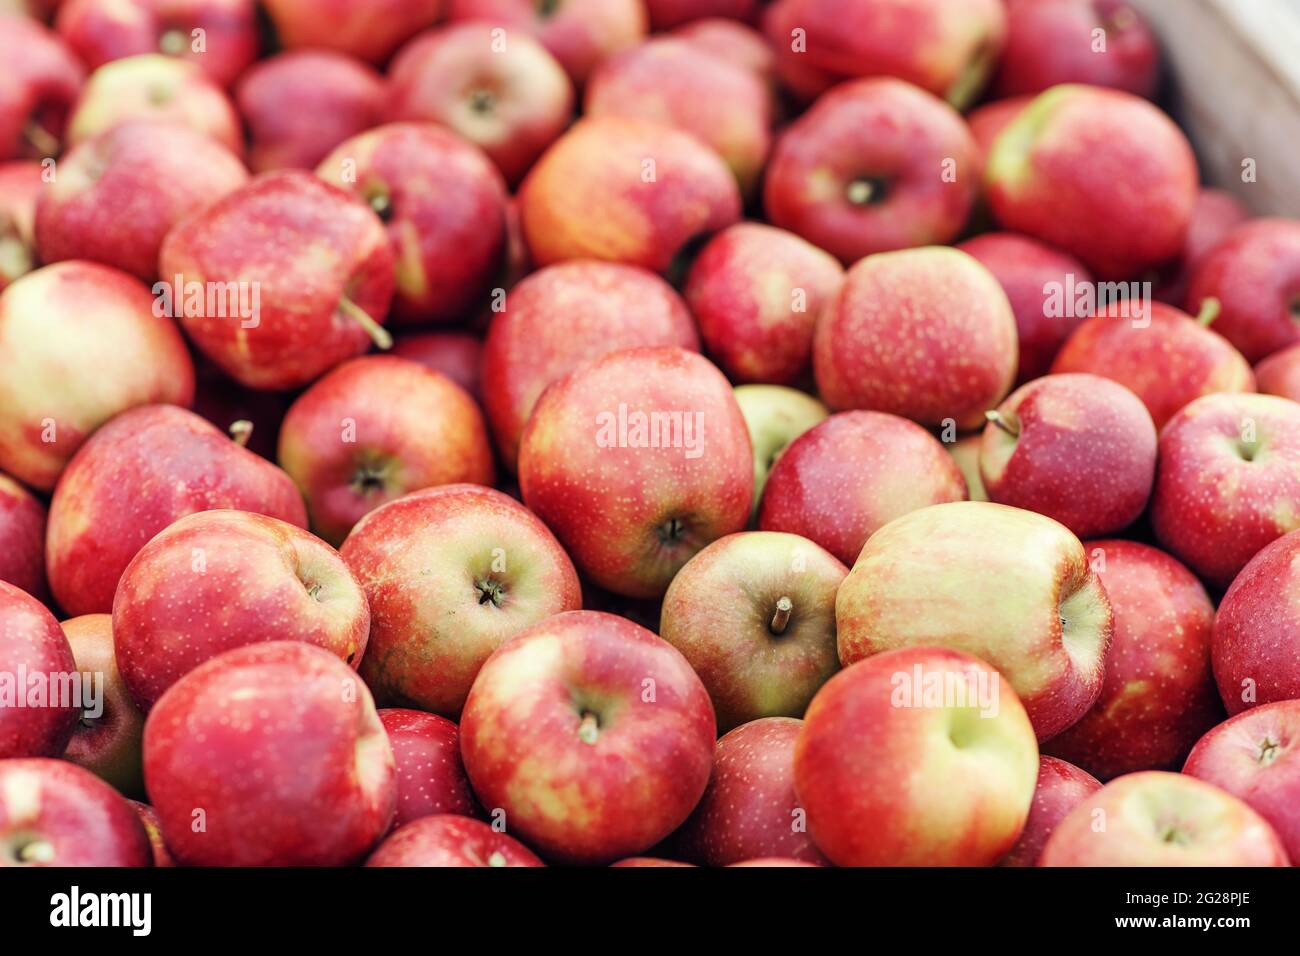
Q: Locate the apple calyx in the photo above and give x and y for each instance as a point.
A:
(1174, 833)
(28, 850)
(492, 591)
(369, 478)
(866, 190)
(482, 101)
(671, 531)
(1210, 309)
(240, 432)
(496, 858)
(781, 616)
(589, 728)
(363, 318)
(1269, 750)
(1007, 421)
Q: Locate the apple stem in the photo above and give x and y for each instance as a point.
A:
(1005, 421)
(364, 319)
(241, 431)
(782, 616)
(41, 139)
(589, 728)
(1210, 309)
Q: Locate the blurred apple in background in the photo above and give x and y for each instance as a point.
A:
(32, 643)
(451, 841)
(21, 182)
(22, 539)
(42, 81)
(369, 31)
(1279, 374)
(456, 355)
(775, 416)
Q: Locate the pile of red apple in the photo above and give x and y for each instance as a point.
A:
(707, 430)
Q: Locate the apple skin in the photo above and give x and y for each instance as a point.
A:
(161, 855)
(756, 292)
(578, 33)
(562, 317)
(1060, 787)
(21, 183)
(118, 194)
(1253, 756)
(42, 80)
(430, 774)
(124, 356)
(988, 120)
(1218, 498)
(1024, 267)
(410, 429)
(138, 474)
(300, 104)
(1044, 620)
(279, 744)
(1155, 818)
(648, 861)
(305, 246)
(1051, 174)
(1083, 452)
(889, 139)
(1254, 273)
(775, 416)
(589, 196)
(22, 539)
(719, 612)
(725, 106)
(449, 840)
(444, 206)
(666, 14)
(153, 86)
(885, 784)
(750, 810)
(846, 477)
(102, 30)
(733, 41)
(457, 355)
(593, 736)
(965, 452)
(1049, 43)
(1158, 695)
(451, 573)
(1159, 353)
(1215, 214)
(1279, 374)
(369, 31)
(510, 100)
(631, 514)
(109, 747)
(53, 813)
(260, 579)
(952, 360)
(31, 641)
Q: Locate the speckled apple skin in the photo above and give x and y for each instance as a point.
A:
(562, 317)
(109, 746)
(22, 539)
(420, 559)
(846, 477)
(927, 334)
(1162, 355)
(580, 802)
(1211, 508)
(609, 504)
(451, 841)
(258, 579)
(1158, 695)
(885, 785)
(41, 72)
(125, 356)
(418, 426)
(1254, 272)
(430, 774)
(281, 748)
(1232, 757)
(1060, 786)
(1279, 374)
(750, 810)
(138, 474)
(625, 190)
(306, 244)
(30, 638)
(83, 819)
(1216, 213)
(1053, 171)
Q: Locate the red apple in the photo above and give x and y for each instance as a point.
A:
(1279, 374)
(591, 735)
(756, 292)
(1060, 787)
(1010, 586)
(951, 360)
(22, 538)
(1052, 174)
(750, 810)
(670, 13)
(108, 736)
(772, 861)
(305, 274)
(117, 195)
(733, 41)
(430, 775)
(79, 343)
(648, 861)
(775, 416)
(139, 473)
(457, 355)
(300, 104)
(1253, 757)
(1215, 214)
(1158, 695)
(369, 31)
(625, 190)
(1228, 482)
(875, 165)
(452, 573)
(444, 206)
(55, 814)
(38, 718)
(20, 185)
(161, 855)
(449, 840)
(920, 757)
(562, 317)
(1162, 819)
(42, 80)
(988, 121)
(269, 755)
(637, 461)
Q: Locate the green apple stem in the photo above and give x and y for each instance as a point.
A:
(240, 432)
(1210, 309)
(42, 140)
(363, 319)
(782, 615)
(589, 729)
(1005, 421)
